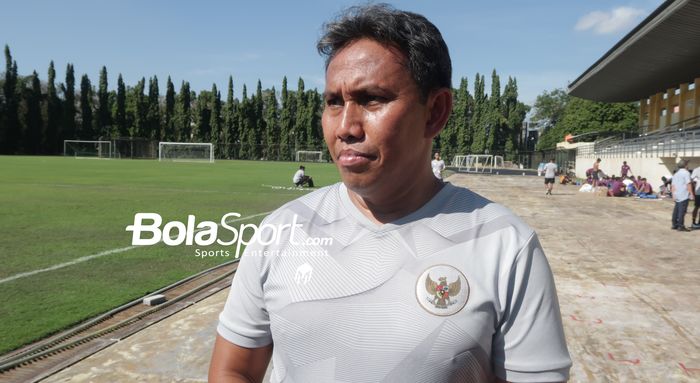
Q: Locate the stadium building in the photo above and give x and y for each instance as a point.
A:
(658, 65)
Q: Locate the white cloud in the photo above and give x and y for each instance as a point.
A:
(618, 19)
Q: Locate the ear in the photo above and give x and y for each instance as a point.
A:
(439, 108)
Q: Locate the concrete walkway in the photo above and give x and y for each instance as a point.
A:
(628, 288)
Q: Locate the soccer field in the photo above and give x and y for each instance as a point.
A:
(56, 210)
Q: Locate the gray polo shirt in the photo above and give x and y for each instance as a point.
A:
(458, 290)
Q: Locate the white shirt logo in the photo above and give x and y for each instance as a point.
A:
(303, 274)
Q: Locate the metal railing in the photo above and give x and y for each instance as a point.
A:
(681, 139)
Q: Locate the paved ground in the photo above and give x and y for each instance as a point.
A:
(628, 288)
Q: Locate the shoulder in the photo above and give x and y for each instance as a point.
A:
(306, 205)
(466, 214)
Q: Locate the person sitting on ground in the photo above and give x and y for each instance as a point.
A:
(630, 185)
(301, 179)
(645, 190)
(665, 188)
(617, 188)
(565, 179)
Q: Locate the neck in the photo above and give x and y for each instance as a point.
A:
(399, 204)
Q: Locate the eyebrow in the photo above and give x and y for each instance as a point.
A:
(361, 90)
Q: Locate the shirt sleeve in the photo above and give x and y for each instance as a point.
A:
(245, 320)
(529, 343)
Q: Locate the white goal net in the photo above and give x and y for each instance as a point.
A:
(87, 149)
(476, 163)
(185, 151)
(309, 156)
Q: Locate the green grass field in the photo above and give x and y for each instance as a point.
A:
(57, 209)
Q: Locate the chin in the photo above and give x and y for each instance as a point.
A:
(359, 183)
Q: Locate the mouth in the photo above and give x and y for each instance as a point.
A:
(350, 158)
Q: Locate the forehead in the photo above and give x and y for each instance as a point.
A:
(364, 61)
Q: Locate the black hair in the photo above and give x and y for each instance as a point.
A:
(427, 56)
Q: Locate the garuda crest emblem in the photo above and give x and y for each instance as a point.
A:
(445, 295)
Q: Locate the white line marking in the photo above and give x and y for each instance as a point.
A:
(102, 254)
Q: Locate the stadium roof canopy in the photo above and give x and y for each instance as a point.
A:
(662, 52)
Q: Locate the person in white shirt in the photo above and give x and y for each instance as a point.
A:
(301, 179)
(390, 275)
(438, 166)
(682, 191)
(695, 177)
(550, 172)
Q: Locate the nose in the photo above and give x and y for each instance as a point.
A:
(351, 129)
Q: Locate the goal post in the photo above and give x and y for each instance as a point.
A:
(87, 148)
(475, 163)
(309, 156)
(186, 151)
(498, 162)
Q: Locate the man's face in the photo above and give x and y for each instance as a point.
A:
(374, 121)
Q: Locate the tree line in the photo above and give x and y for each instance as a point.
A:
(36, 117)
(484, 124)
(561, 114)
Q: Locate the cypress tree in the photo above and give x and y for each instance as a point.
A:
(246, 124)
(168, 120)
(153, 111)
(10, 138)
(230, 130)
(122, 127)
(32, 116)
(203, 116)
(514, 113)
(103, 111)
(272, 132)
(69, 129)
(183, 114)
(314, 132)
(299, 130)
(52, 135)
(462, 118)
(215, 120)
(495, 137)
(479, 136)
(258, 123)
(139, 110)
(286, 123)
(86, 128)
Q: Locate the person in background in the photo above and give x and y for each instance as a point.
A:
(682, 191)
(438, 166)
(624, 170)
(695, 177)
(550, 172)
(300, 178)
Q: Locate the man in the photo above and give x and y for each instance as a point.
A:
(301, 179)
(682, 191)
(438, 166)
(625, 169)
(422, 280)
(617, 188)
(550, 172)
(695, 177)
(644, 189)
(596, 172)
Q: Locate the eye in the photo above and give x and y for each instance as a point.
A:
(334, 101)
(372, 100)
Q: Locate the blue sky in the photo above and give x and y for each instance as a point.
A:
(543, 44)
